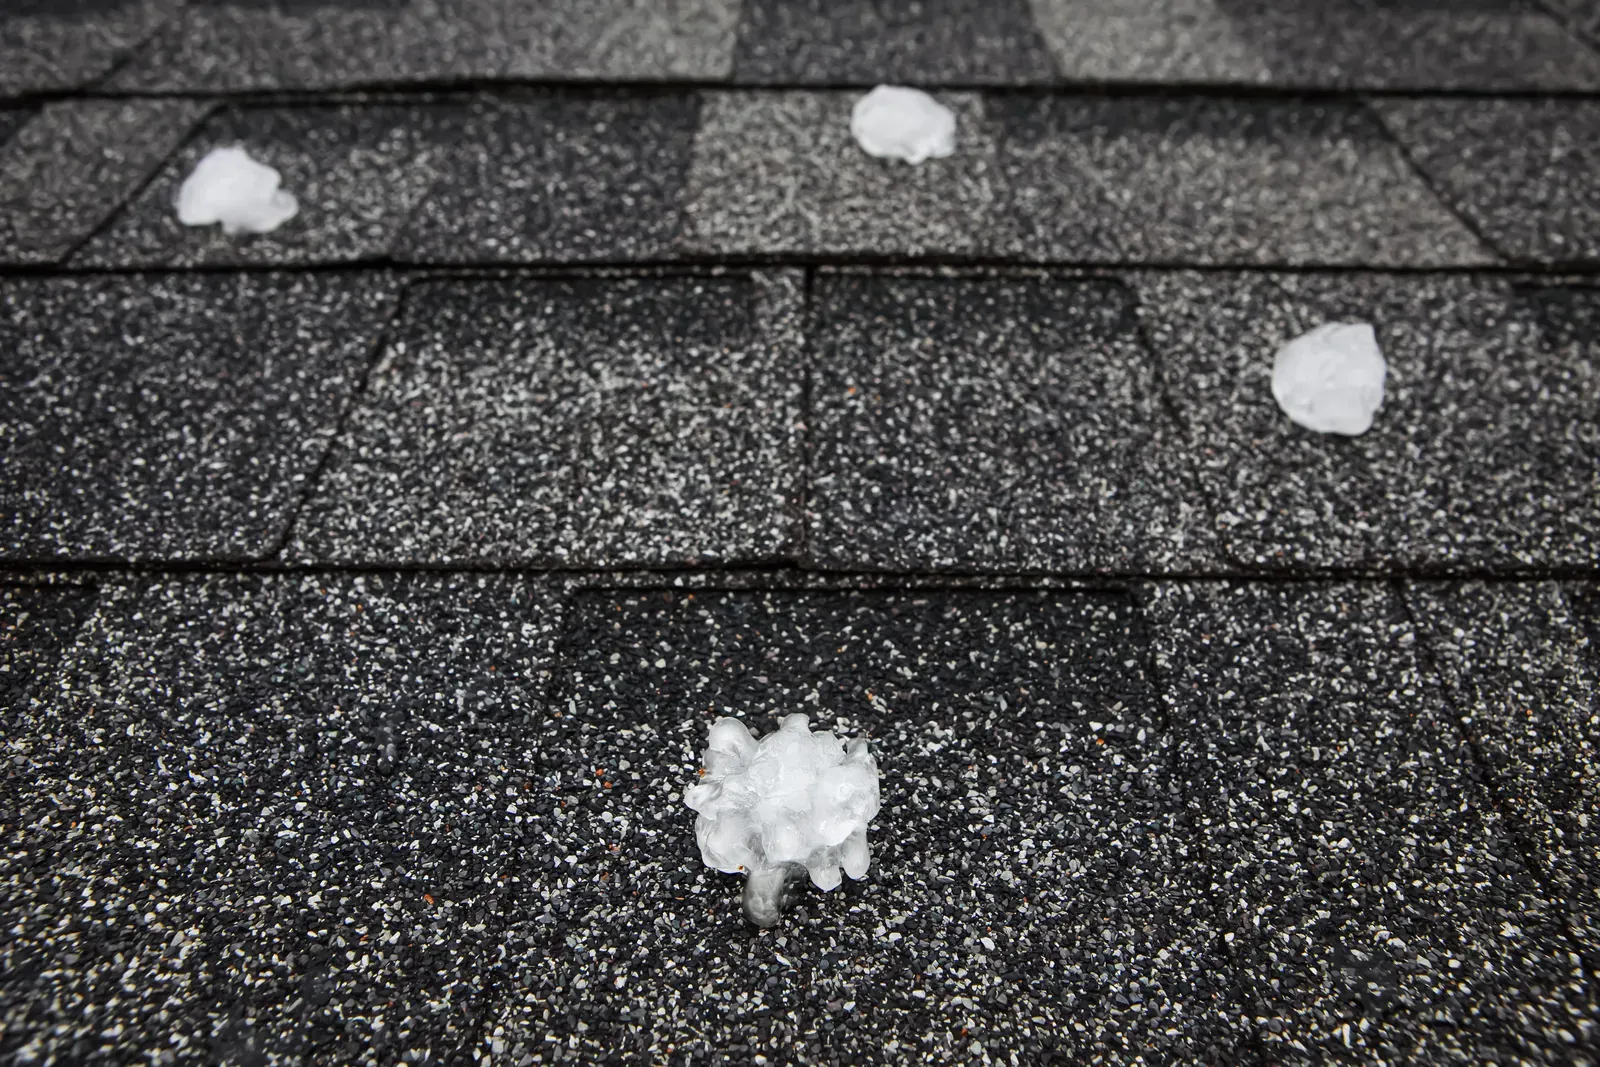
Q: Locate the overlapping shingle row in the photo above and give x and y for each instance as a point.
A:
(570, 178)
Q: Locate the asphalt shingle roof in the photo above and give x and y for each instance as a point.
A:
(367, 587)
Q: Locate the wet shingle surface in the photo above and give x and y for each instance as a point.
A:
(356, 172)
(367, 587)
(72, 164)
(281, 817)
(1168, 180)
(1036, 895)
(595, 421)
(1486, 452)
(1524, 680)
(1317, 44)
(547, 178)
(1520, 171)
(998, 423)
(1376, 904)
(50, 45)
(172, 418)
(980, 42)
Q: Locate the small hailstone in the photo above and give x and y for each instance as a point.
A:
(892, 122)
(1331, 379)
(229, 187)
(795, 799)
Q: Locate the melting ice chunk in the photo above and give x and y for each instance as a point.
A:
(892, 122)
(793, 800)
(1331, 379)
(229, 187)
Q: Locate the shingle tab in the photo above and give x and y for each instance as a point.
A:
(993, 424)
(75, 162)
(962, 42)
(585, 421)
(51, 45)
(294, 804)
(1031, 865)
(540, 178)
(1525, 173)
(1525, 680)
(1486, 452)
(171, 418)
(1377, 906)
(356, 171)
(320, 44)
(1175, 180)
(780, 172)
(1317, 44)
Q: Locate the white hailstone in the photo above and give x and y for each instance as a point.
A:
(793, 800)
(1331, 379)
(892, 122)
(229, 187)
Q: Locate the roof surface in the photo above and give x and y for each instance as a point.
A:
(367, 587)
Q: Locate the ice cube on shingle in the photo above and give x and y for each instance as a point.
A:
(794, 800)
(1331, 379)
(229, 187)
(893, 122)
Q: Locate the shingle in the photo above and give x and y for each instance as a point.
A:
(967, 42)
(1003, 423)
(74, 163)
(356, 171)
(1581, 15)
(1170, 180)
(1378, 908)
(331, 43)
(275, 820)
(172, 418)
(1524, 173)
(1137, 40)
(780, 172)
(586, 421)
(13, 119)
(1033, 888)
(36, 623)
(1524, 678)
(1486, 453)
(1364, 44)
(51, 45)
(560, 178)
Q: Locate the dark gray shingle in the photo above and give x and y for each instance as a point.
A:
(583, 421)
(172, 418)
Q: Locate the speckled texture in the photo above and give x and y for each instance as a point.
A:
(1321, 44)
(585, 422)
(780, 172)
(1581, 16)
(542, 177)
(1250, 181)
(333, 43)
(55, 45)
(1525, 682)
(1377, 907)
(36, 622)
(930, 42)
(71, 166)
(357, 173)
(275, 820)
(1525, 173)
(968, 423)
(1033, 888)
(172, 418)
(1486, 452)
(1413, 44)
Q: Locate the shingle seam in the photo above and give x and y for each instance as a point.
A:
(385, 336)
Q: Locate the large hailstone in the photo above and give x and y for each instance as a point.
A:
(794, 800)
(229, 187)
(1331, 379)
(892, 122)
